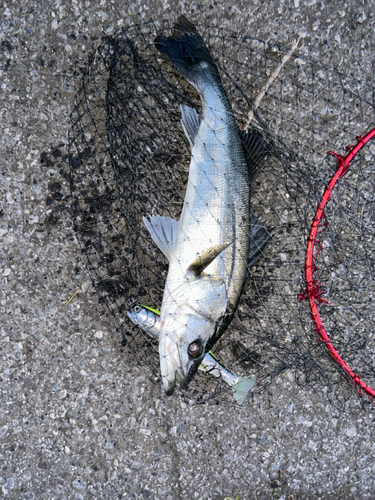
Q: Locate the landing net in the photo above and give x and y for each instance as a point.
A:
(130, 158)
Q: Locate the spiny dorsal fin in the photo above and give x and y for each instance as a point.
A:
(164, 232)
(190, 122)
(205, 258)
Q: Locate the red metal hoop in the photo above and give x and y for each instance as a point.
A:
(313, 292)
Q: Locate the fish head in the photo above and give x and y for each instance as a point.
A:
(184, 341)
(189, 321)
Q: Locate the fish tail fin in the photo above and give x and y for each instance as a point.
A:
(186, 50)
(242, 387)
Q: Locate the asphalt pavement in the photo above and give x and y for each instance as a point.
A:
(78, 418)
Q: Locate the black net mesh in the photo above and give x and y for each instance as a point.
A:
(130, 158)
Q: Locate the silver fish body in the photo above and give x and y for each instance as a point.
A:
(148, 320)
(208, 248)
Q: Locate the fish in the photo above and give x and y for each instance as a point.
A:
(208, 247)
(148, 319)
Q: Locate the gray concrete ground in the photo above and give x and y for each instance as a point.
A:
(77, 418)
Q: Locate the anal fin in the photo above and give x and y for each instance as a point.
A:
(190, 122)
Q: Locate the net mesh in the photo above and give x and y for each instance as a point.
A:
(129, 158)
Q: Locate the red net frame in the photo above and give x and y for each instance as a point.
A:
(313, 290)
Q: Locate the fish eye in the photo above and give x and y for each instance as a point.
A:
(137, 309)
(195, 348)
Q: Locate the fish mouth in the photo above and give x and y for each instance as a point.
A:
(170, 365)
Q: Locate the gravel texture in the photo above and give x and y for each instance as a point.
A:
(78, 418)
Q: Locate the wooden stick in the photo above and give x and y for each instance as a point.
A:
(269, 82)
(72, 297)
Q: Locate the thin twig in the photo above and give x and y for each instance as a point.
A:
(343, 493)
(96, 55)
(269, 82)
(255, 492)
(72, 297)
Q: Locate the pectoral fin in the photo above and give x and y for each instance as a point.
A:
(205, 258)
(164, 232)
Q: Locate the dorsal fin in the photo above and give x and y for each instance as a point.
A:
(256, 151)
